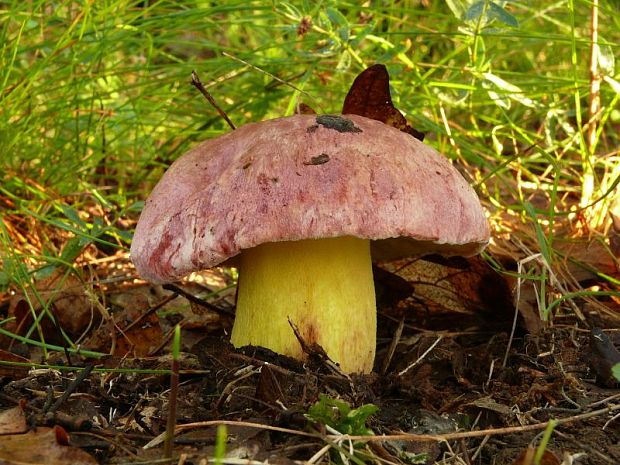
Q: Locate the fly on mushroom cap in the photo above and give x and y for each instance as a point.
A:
(300, 205)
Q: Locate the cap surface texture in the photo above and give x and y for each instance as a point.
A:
(304, 177)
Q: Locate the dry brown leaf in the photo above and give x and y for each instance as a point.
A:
(585, 257)
(13, 421)
(45, 446)
(527, 458)
(303, 109)
(370, 96)
(529, 308)
(135, 330)
(488, 403)
(457, 285)
(13, 371)
(67, 301)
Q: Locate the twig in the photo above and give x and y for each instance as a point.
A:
(81, 376)
(584, 447)
(174, 393)
(484, 432)
(517, 302)
(319, 455)
(192, 298)
(428, 351)
(228, 389)
(395, 340)
(198, 85)
(49, 415)
(611, 420)
(205, 424)
(149, 312)
(114, 440)
(464, 451)
(272, 76)
(392, 437)
(604, 401)
(479, 448)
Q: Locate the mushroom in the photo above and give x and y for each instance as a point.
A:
(302, 205)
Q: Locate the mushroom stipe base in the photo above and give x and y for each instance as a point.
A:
(324, 286)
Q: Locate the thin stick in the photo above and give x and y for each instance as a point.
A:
(140, 320)
(484, 432)
(272, 76)
(192, 298)
(392, 437)
(81, 376)
(517, 302)
(428, 351)
(204, 424)
(395, 340)
(198, 85)
(174, 393)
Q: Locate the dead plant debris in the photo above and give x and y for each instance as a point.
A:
(469, 368)
(444, 393)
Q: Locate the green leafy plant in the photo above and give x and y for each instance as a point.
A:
(339, 415)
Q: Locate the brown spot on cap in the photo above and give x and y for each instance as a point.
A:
(318, 160)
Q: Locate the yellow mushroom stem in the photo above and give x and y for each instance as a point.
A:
(324, 286)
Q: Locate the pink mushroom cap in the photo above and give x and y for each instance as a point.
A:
(306, 177)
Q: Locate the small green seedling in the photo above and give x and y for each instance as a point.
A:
(221, 437)
(542, 447)
(339, 415)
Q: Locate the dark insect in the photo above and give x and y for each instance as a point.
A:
(338, 123)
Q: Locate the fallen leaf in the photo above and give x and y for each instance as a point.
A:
(390, 287)
(370, 96)
(527, 458)
(457, 285)
(13, 371)
(13, 421)
(133, 329)
(140, 340)
(303, 109)
(65, 298)
(528, 306)
(268, 386)
(44, 446)
(585, 258)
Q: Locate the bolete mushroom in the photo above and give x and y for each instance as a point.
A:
(302, 205)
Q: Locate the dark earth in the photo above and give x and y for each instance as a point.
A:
(439, 370)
